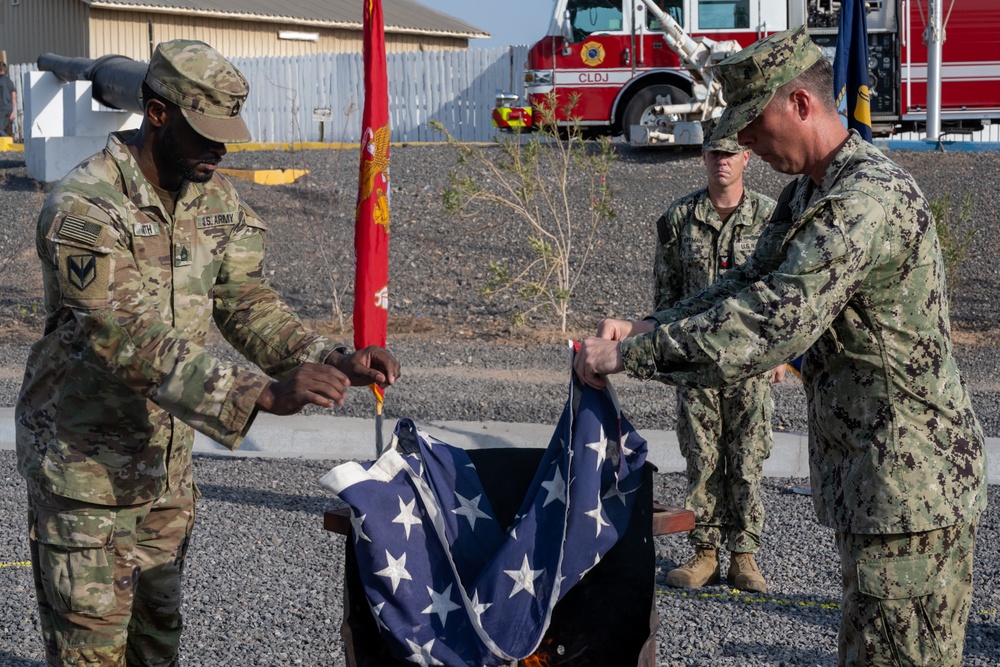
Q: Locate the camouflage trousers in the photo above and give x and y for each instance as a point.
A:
(725, 437)
(906, 597)
(108, 579)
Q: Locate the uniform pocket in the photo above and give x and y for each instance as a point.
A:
(77, 572)
(901, 594)
(695, 249)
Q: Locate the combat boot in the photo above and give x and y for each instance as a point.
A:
(701, 570)
(744, 573)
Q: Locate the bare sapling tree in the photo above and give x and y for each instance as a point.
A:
(955, 235)
(542, 178)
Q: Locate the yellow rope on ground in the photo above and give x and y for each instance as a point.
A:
(20, 563)
(736, 595)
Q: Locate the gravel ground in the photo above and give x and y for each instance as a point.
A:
(264, 581)
(272, 597)
(462, 357)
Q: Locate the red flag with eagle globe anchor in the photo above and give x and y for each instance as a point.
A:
(371, 228)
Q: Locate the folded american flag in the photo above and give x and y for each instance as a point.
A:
(446, 584)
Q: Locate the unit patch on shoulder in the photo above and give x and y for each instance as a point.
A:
(81, 270)
(217, 219)
(80, 229)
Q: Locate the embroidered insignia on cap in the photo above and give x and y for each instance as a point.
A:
(81, 270)
(80, 229)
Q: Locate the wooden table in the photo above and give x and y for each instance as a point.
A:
(666, 520)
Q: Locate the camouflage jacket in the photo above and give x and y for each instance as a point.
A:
(850, 272)
(120, 378)
(696, 246)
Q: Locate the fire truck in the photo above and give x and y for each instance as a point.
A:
(643, 68)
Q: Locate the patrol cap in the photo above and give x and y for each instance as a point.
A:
(208, 89)
(751, 77)
(722, 144)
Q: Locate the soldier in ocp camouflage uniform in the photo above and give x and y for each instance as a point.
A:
(724, 434)
(142, 246)
(849, 271)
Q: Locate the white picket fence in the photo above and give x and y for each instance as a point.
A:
(454, 87)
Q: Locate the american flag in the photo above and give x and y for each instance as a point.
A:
(445, 582)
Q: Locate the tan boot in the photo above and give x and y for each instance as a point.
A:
(744, 573)
(701, 570)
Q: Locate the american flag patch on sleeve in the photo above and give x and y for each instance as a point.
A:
(80, 229)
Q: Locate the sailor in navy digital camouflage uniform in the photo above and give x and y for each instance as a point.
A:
(724, 434)
(849, 272)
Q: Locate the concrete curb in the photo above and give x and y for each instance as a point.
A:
(939, 146)
(332, 437)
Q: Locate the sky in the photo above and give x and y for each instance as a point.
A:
(509, 21)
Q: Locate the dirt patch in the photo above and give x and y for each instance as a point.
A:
(975, 338)
(486, 331)
(16, 331)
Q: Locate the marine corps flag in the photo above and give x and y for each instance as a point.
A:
(850, 69)
(371, 227)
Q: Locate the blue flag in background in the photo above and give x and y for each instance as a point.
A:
(850, 69)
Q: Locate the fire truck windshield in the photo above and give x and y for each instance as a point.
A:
(723, 14)
(589, 16)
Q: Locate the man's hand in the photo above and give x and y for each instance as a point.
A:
(596, 358)
(317, 384)
(611, 329)
(621, 329)
(372, 365)
(778, 374)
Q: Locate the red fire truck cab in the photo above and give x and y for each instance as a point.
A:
(624, 65)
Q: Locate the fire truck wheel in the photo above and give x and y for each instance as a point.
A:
(640, 108)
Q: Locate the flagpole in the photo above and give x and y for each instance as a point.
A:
(934, 36)
(379, 402)
(371, 225)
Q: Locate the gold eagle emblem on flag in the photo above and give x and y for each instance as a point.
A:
(862, 108)
(375, 174)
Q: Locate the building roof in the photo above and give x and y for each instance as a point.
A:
(401, 16)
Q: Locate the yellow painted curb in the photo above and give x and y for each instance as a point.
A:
(315, 145)
(296, 146)
(267, 176)
(7, 145)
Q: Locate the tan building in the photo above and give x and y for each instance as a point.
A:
(237, 28)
